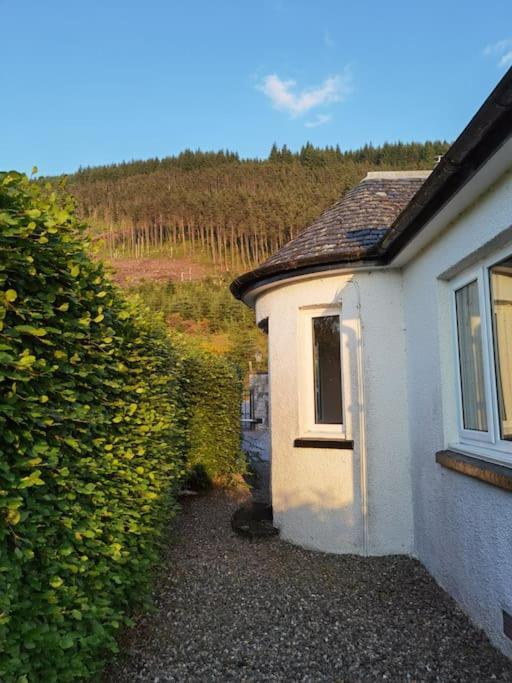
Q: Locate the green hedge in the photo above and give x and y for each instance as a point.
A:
(213, 394)
(95, 424)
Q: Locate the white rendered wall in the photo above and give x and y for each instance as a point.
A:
(326, 499)
(463, 527)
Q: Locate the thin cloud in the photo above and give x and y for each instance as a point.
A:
(319, 121)
(285, 96)
(501, 50)
(506, 59)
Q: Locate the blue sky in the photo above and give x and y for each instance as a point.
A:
(85, 82)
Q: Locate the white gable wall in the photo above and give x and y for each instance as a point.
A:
(342, 500)
(462, 527)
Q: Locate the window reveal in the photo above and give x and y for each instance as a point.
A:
(327, 369)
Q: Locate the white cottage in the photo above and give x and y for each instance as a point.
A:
(390, 356)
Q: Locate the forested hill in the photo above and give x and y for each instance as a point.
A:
(237, 211)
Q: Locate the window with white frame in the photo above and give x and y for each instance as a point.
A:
(483, 319)
(321, 386)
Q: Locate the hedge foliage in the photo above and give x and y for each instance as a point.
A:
(96, 418)
(213, 392)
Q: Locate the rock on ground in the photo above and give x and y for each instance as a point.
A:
(228, 609)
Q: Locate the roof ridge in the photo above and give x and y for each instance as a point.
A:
(396, 175)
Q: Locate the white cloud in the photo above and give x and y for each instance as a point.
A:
(506, 59)
(498, 47)
(319, 121)
(285, 97)
(502, 51)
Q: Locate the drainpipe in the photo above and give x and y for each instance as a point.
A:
(363, 461)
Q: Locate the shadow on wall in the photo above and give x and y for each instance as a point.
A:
(321, 522)
(320, 495)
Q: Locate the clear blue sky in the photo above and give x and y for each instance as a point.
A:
(87, 82)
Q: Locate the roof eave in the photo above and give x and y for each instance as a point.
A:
(243, 285)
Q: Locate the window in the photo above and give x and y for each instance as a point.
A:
(483, 317)
(501, 301)
(321, 374)
(327, 369)
(469, 331)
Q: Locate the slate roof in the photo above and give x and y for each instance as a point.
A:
(355, 224)
(348, 230)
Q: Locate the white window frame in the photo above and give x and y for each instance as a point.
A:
(486, 445)
(308, 425)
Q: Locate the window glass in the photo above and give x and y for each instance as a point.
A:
(469, 332)
(501, 302)
(327, 369)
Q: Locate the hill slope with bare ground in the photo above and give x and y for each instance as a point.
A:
(168, 225)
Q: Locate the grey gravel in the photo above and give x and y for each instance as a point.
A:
(228, 609)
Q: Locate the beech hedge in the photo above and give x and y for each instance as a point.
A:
(98, 417)
(213, 394)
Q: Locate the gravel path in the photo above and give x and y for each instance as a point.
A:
(232, 610)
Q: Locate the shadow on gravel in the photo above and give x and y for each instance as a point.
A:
(229, 610)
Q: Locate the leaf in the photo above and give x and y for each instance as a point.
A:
(74, 271)
(28, 329)
(11, 295)
(13, 517)
(32, 480)
(56, 582)
(26, 361)
(66, 642)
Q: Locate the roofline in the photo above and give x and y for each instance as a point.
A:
(481, 138)
(276, 273)
(489, 128)
(303, 272)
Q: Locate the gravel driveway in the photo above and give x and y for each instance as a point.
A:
(233, 610)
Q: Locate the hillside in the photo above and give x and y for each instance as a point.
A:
(229, 212)
(176, 229)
